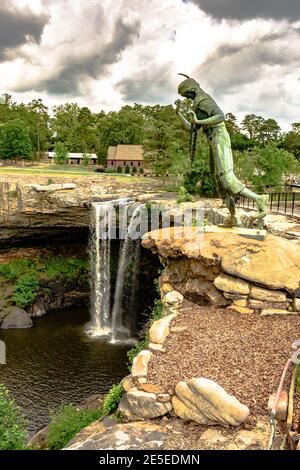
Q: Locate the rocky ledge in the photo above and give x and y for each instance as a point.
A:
(227, 269)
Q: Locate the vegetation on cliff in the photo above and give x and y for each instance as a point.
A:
(28, 277)
(12, 424)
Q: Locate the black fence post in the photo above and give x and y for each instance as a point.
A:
(293, 203)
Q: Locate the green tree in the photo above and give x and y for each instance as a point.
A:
(265, 167)
(291, 141)
(127, 169)
(260, 129)
(252, 125)
(231, 124)
(119, 169)
(15, 140)
(61, 153)
(12, 424)
(86, 159)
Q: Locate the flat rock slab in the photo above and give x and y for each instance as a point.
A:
(53, 187)
(256, 234)
(109, 435)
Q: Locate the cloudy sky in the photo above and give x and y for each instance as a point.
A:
(106, 53)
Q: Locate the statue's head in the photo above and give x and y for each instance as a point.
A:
(188, 88)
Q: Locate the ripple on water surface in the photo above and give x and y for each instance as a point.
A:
(56, 361)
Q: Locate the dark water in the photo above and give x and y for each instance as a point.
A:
(57, 362)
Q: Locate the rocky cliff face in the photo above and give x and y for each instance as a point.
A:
(228, 269)
(29, 209)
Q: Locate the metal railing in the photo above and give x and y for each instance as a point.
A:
(281, 203)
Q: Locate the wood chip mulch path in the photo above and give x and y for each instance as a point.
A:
(245, 354)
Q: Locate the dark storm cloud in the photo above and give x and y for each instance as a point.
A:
(151, 85)
(245, 9)
(78, 69)
(17, 26)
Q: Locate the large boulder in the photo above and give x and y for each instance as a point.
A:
(205, 402)
(140, 364)
(108, 435)
(273, 263)
(16, 318)
(160, 329)
(142, 404)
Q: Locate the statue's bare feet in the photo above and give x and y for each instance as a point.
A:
(262, 206)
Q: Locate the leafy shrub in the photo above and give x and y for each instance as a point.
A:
(66, 423)
(184, 196)
(141, 171)
(119, 169)
(127, 169)
(134, 170)
(69, 268)
(110, 170)
(156, 313)
(112, 399)
(12, 424)
(25, 291)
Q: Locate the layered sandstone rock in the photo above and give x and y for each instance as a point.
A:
(160, 329)
(205, 402)
(142, 404)
(225, 268)
(108, 434)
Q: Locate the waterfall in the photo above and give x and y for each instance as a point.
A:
(127, 277)
(116, 323)
(100, 272)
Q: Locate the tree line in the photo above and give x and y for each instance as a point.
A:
(262, 152)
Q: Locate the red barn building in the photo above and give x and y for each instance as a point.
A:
(122, 155)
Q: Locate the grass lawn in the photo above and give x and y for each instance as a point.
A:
(67, 171)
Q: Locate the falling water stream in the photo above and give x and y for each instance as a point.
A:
(112, 322)
(127, 274)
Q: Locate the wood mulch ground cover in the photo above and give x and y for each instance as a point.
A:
(244, 353)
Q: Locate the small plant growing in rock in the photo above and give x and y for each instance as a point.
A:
(12, 425)
(25, 291)
(112, 399)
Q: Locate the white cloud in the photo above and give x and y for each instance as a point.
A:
(105, 54)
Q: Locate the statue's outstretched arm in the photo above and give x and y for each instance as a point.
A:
(211, 121)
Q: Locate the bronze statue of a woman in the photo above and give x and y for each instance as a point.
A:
(207, 115)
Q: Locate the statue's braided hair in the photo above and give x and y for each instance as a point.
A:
(193, 142)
